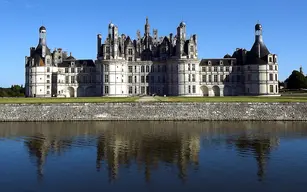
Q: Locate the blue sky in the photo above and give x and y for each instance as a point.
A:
(221, 26)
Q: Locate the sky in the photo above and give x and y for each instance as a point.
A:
(221, 26)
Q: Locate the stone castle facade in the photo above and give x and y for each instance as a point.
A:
(149, 65)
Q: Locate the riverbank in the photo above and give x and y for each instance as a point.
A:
(186, 111)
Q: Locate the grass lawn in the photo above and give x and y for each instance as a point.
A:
(232, 99)
(68, 100)
(157, 99)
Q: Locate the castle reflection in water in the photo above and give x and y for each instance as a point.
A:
(145, 144)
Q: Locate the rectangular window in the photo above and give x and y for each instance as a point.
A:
(106, 78)
(215, 69)
(48, 92)
(66, 70)
(142, 69)
(193, 67)
(129, 79)
(147, 68)
(227, 68)
(48, 69)
(271, 88)
(221, 69)
(135, 90)
(189, 67)
(135, 68)
(130, 69)
(67, 79)
(106, 68)
(194, 89)
(135, 79)
(209, 69)
(204, 69)
(130, 51)
(271, 77)
(189, 78)
(48, 76)
(108, 49)
(106, 89)
(276, 78)
(215, 78)
(147, 79)
(72, 70)
(238, 78)
(227, 78)
(204, 78)
(193, 77)
(189, 89)
(48, 87)
(130, 89)
(221, 78)
(72, 79)
(129, 58)
(270, 67)
(48, 81)
(210, 78)
(249, 77)
(191, 48)
(142, 79)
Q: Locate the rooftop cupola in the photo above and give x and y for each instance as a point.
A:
(259, 49)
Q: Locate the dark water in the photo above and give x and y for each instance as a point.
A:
(153, 156)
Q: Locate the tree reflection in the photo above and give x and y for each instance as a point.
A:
(40, 146)
(260, 147)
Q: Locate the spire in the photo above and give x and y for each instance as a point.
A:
(147, 27)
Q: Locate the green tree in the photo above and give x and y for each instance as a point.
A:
(296, 80)
(13, 91)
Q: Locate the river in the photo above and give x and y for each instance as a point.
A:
(153, 156)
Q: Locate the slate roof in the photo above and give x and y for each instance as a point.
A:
(78, 63)
(216, 62)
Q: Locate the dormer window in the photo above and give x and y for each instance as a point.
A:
(221, 62)
(192, 48)
(72, 63)
(129, 51)
(209, 62)
(270, 59)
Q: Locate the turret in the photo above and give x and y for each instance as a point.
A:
(99, 37)
(42, 40)
(147, 28)
(259, 49)
(181, 37)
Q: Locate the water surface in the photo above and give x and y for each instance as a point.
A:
(153, 156)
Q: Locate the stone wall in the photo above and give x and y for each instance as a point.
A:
(153, 111)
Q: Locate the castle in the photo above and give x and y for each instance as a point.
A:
(149, 65)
